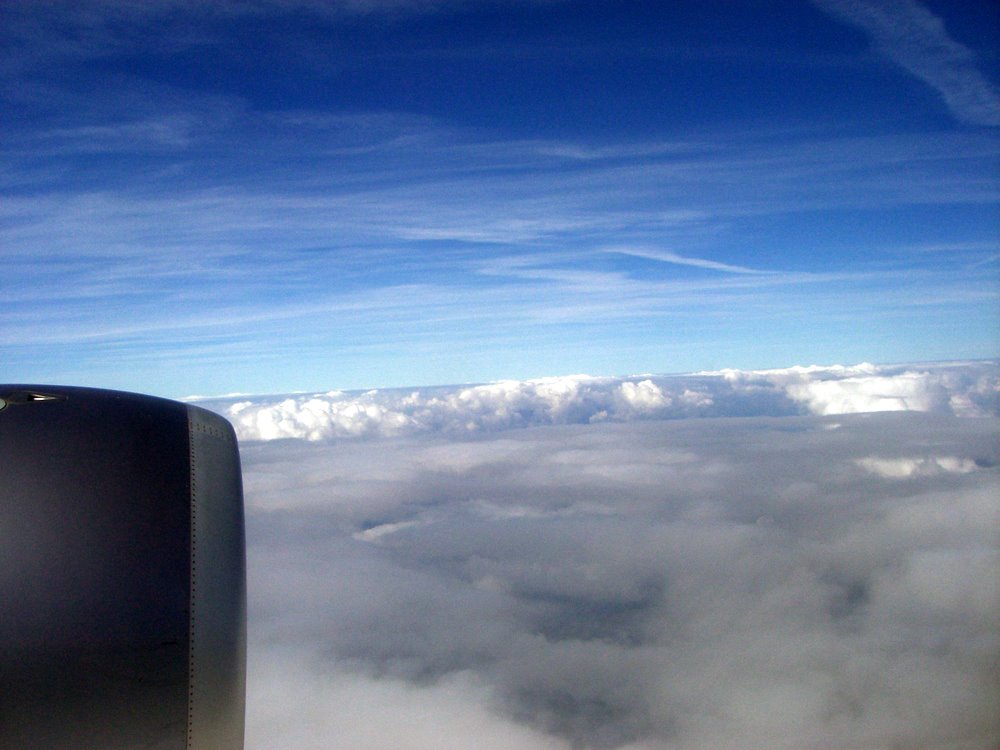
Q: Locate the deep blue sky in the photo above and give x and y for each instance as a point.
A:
(276, 195)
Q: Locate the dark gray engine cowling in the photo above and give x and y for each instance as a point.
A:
(122, 573)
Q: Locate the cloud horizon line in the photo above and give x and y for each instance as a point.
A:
(955, 389)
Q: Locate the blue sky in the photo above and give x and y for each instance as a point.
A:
(276, 195)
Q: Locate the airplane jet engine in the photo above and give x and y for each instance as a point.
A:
(122, 573)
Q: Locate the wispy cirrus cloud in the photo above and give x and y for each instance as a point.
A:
(102, 28)
(665, 256)
(354, 232)
(917, 40)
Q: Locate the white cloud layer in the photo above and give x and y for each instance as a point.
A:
(967, 390)
(900, 468)
(653, 585)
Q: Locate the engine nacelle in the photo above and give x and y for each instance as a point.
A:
(122, 573)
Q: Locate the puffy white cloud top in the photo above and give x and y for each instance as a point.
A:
(915, 467)
(960, 389)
